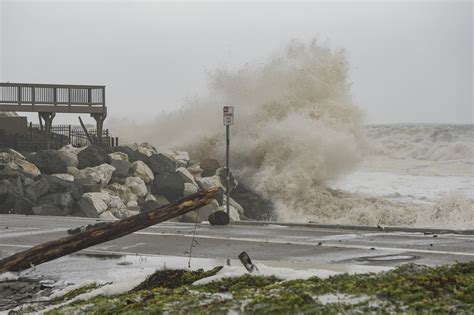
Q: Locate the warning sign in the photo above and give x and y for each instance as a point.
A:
(228, 115)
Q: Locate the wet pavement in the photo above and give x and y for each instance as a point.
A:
(293, 246)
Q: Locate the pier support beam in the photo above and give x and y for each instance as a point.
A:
(48, 121)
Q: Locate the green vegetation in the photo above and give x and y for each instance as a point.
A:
(408, 289)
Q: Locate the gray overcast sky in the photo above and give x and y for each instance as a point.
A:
(411, 61)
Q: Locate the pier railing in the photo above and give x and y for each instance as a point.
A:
(53, 98)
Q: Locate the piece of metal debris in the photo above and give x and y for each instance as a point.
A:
(247, 262)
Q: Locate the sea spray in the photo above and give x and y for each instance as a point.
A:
(296, 126)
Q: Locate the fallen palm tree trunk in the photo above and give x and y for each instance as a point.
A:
(110, 231)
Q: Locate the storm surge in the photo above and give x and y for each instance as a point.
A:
(295, 126)
(296, 129)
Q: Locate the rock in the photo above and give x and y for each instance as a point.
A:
(119, 156)
(235, 205)
(57, 185)
(168, 184)
(132, 204)
(205, 211)
(63, 201)
(13, 168)
(37, 189)
(161, 163)
(255, 206)
(181, 157)
(74, 171)
(161, 200)
(187, 176)
(98, 174)
(72, 149)
(48, 162)
(69, 157)
(122, 168)
(136, 186)
(118, 208)
(209, 167)
(93, 204)
(47, 210)
(107, 215)
(145, 148)
(125, 194)
(189, 189)
(150, 197)
(149, 205)
(11, 154)
(92, 156)
(91, 187)
(132, 155)
(23, 206)
(221, 172)
(195, 170)
(67, 177)
(140, 169)
(233, 213)
(190, 217)
(209, 182)
(219, 218)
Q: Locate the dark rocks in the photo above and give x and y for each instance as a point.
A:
(63, 201)
(92, 156)
(161, 163)
(57, 185)
(219, 218)
(48, 210)
(168, 184)
(48, 162)
(122, 168)
(209, 167)
(255, 206)
(149, 205)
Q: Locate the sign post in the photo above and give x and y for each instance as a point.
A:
(228, 121)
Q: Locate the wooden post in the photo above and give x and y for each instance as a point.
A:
(110, 231)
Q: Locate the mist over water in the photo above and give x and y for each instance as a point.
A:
(296, 128)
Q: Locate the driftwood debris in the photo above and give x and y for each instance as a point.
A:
(64, 246)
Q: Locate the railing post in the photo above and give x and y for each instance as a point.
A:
(33, 97)
(19, 95)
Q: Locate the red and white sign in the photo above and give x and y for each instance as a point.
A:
(228, 115)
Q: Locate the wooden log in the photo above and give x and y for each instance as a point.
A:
(110, 231)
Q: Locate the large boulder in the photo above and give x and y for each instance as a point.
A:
(98, 174)
(233, 213)
(57, 185)
(181, 157)
(122, 168)
(13, 168)
(140, 169)
(119, 156)
(187, 176)
(255, 206)
(144, 148)
(69, 155)
(93, 155)
(63, 201)
(93, 204)
(168, 184)
(48, 161)
(209, 182)
(209, 167)
(161, 163)
(136, 186)
(190, 189)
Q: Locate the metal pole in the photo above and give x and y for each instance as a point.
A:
(227, 169)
